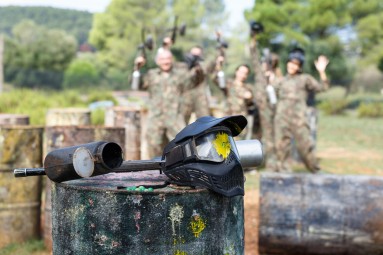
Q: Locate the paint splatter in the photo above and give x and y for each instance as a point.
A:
(176, 215)
(137, 216)
(222, 144)
(178, 252)
(235, 211)
(197, 224)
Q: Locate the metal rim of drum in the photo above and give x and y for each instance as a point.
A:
(83, 162)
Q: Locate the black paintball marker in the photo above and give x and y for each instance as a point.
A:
(202, 154)
(222, 45)
(146, 44)
(175, 29)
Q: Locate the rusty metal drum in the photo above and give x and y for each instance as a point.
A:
(13, 119)
(321, 214)
(139, 213)
(128, 117)
(20, 146)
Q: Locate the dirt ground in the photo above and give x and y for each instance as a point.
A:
(251, 222)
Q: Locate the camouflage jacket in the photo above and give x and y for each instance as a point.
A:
(260, 95)
(165, 90)
(297, 87)
(236, 102)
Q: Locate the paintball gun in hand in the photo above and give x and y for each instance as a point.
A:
(169, 41)
(222, 45)
(146, 44)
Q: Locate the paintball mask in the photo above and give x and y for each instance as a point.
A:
(255, 27)
(205, 154)
(297, 54)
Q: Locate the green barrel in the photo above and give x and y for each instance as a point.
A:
(20, 146)
(138, 213)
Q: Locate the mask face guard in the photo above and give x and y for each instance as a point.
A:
(213, 145)
(209, 159)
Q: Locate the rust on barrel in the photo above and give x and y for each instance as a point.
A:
(19, 199)
(66, 136)
(321, 214)
(140, 213)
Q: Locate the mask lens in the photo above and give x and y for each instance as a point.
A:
(214, 146)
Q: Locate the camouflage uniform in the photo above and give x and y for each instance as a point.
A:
(266, 111)
(291, 120)
(164, 114)
(235, 103)
(195, 99)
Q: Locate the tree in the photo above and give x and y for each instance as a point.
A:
(313, 25)
(36, 56)
(81, 73)
(116, 33)
(76, 23)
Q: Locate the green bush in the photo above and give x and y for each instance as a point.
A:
(81, 73)
(35, 103)
(100, 95)
(98, 117)
(371, 110)
(333, 106)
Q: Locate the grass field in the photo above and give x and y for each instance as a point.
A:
(346, 145)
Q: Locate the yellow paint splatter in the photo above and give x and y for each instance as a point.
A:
(197, 224)
(222, 144)
(178, 252)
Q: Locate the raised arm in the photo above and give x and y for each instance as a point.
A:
(321, 65)
(260, 78)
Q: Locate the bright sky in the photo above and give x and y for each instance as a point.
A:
(235, 7)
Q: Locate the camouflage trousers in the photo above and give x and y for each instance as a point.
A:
(291, 123)
(160, 132)
(312, 118)
(195, 100)
(266, 115)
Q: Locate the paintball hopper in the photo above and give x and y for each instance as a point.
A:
(182, 29)
(255, 27)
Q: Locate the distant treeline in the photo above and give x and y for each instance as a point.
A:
(77, 23)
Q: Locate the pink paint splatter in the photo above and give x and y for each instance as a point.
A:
(137, 216)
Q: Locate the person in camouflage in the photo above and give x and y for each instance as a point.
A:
(165, 85)
(196, 99)
(239, 95)
(266, 73)
(290, 119)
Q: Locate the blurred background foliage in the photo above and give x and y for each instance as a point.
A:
(58, 49)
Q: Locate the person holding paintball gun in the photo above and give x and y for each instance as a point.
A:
(238, 93)
(165, 85)
(267, 73)
(196, 98)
